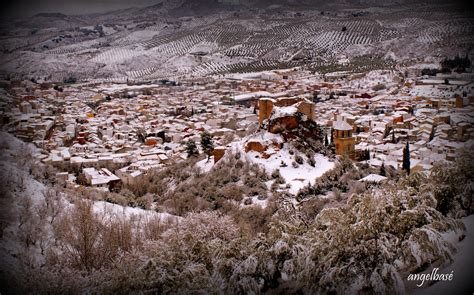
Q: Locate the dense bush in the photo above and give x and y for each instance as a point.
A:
(363, 245)
(181, 188)
(342, 180)
(451, 185)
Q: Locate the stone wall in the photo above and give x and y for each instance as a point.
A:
(345, 146)
(265, 107)
(281, 124)
(307, 109)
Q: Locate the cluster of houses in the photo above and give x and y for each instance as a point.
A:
(437, 124)
(116, 133)
(120, 133)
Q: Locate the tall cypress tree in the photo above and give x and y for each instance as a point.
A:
(382, 169)
(326, 141)
(207, 144)
(406, 158)
(191, 148)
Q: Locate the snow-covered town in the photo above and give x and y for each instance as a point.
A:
(236, 147)
(117, 132)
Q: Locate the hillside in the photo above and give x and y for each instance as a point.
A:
(188, 38)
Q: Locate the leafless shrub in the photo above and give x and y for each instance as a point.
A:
(24, 211)
(154, 226)
(53, 204)
(6, 209)
(84, 242)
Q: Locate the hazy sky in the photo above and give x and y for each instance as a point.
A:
(30, 7)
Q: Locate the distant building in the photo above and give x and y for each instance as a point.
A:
(101, 178)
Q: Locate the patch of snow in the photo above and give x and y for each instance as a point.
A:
(205, 165)
(373, 178)
(279, 112)
(118, 211)
(261, 203)
(298, 177)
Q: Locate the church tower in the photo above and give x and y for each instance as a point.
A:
(343, 140)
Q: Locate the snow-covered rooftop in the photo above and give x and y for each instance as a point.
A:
(341, 125)
(373, 178)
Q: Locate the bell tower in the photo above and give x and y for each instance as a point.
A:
(343, 140)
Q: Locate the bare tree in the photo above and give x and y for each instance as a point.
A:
(91, 240)
(52, 203)
(80, 234)
(24, 211)
(31, 222)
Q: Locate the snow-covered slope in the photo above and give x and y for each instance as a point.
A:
(153, 43)
(26, 216)
(296, 176)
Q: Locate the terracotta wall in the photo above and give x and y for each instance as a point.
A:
(218, 154)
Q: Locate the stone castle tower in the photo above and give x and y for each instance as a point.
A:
(267, 105)
(265, 108)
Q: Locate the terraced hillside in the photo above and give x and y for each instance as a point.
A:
(136, 46)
